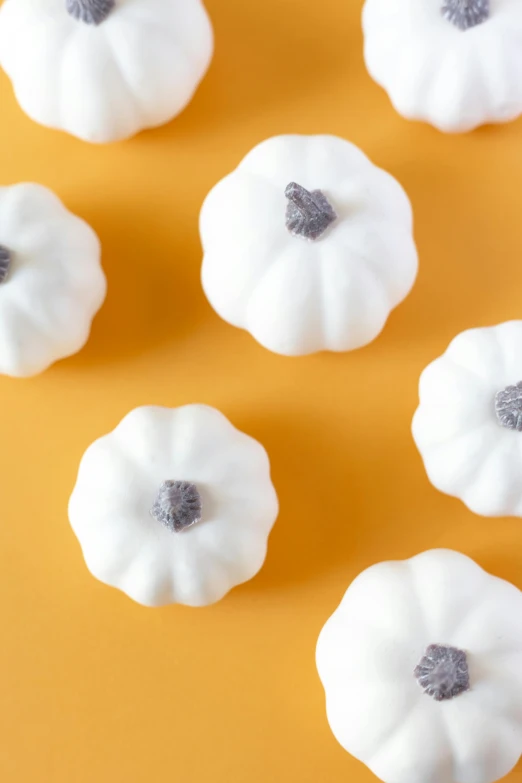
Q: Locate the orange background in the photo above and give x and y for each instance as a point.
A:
(95, 687)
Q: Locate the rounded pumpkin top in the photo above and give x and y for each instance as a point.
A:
(174, 506)
(103, 70)
(51, 280)
(453, 63)
(467, 426)
(422, 668)
(307, 245)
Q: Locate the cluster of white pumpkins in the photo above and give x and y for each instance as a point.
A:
(308, 246)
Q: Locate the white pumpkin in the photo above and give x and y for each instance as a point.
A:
(307, 245)
(174, 506)
(51, 281)
(103, 70)
(422, 669)
(456, 64)
(468, 426)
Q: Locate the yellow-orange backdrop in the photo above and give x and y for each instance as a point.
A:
(96, 688)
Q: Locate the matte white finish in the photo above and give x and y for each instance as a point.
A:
(55, 285)
(119, 477)
(369, 648)
(297, 296)
(433, 71)
(466, 452)
(137, 69)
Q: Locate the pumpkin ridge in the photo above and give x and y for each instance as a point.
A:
(392, 735)
(481, 469)
(471, 468)
(418, 594)
(275, 260)
(121, 72)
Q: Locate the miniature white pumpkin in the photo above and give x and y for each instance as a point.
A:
(468, 426)
(307, 245)
(174, 506)
(456, 64)
(422, 668)
(103, 70)
(51, 281)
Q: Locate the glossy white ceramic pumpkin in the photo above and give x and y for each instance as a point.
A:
(468, 426)
(174, 506)
(307, 245)
(456, 64)
(103, 70)
(422, 668)
(51, 280)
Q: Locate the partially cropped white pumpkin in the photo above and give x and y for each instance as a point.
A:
(422, 668)
(307, 245)
(103, 70)
(456, 64)
(468, 426)
(174, 506)
(51, 281)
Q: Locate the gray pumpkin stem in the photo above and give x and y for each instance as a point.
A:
(5, 263)
(178, 505)
(308, 213)
(443, 672)
(508, 407)
(465, 14)
(90, 11)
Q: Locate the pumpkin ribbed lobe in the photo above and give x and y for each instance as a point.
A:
(508, 407)
(178, 505)
(308, 213)
(443, 672)
(465, 14)
(5, 263)
(90, 11)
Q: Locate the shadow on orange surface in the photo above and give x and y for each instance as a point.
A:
(154, 293)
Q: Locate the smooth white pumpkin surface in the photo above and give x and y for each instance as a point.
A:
(456, 79)
(465, 427)
(138, 68)
(120, 475)
(298, 296)
(369, 650)
(52, 283)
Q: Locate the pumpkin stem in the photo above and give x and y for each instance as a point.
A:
(443, 672)
(308, 213)
(5, 263)
(508, 407)
(90, 11)
(177, 505)
(465, 14)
